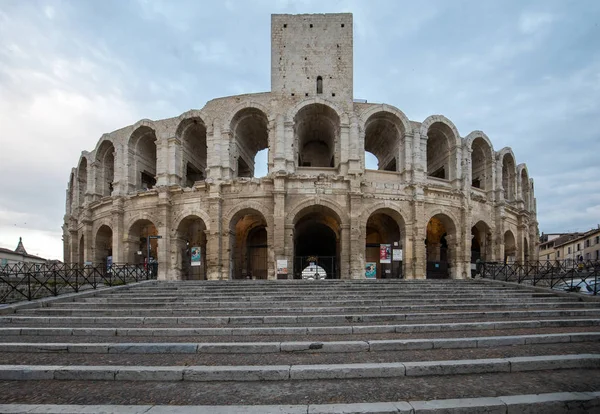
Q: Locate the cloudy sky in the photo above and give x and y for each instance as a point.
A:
(526, 73)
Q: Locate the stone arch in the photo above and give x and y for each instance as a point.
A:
(193, 148)
(523, 185)
(293, 111)
(71, 192)
(385, 131)
(482, 160)
(317, 240)
(246, 205)
(139, 228)
(384, 225)
(481, 242)
(190, 211)
(508, 173)
(317, 129)
(441, 246)
(142, 156)
(103, 244)
(510, 246)
(246, 105)
(443, 144)
(249, 129)
(105, 170)
(189, 248)
(248, 256)
(82, 178)
(322, 202)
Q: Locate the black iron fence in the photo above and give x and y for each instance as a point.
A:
(561, 275)
(28, 281)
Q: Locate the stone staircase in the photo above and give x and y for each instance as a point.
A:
(383, 346)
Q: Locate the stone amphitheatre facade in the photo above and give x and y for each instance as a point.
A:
(443, 199)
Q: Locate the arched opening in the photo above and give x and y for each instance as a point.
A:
(103, 246)
(106, 169)
(81, 260)
(508, 177)
(481, 164)
(317, 232)
(319, 85)
(510, 247)
(525, 189)
(192, 132)
(82, 180)
(190, 249)
(248, 245)
(383, 138)
(316, 131)
(439, 251)
(481, 245)
(261, 163)
(384, 245)
(439, 136)
(250, 129)
(143, 158)
(139, 245)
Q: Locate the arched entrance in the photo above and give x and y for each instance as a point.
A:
(248, 245)
(510, 247)
(103, 246)
(481, 246)
(316, 130)
(250, 129)
(317, 232)
(440, 253)
(190, 249)
(192, 132)
(138, 243)
(384, 237)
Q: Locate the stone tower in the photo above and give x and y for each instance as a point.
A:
(311, 56)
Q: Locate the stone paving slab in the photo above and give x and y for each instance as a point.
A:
(583, 402)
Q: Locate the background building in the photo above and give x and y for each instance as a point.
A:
(19, 255)
(438, 200)
(571, 246)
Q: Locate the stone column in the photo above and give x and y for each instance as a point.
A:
(357, 233)
(74, 252)
(227, 145)
(214, 237)
(163, 227)
(406, 154)
(416, 260)
(343, 158)
(118, 229)
(278, 247)
(345, 252)
(162, 162)
(213, 151)
(291, 150)
(354, 165)
(277, 140)
(175, 169)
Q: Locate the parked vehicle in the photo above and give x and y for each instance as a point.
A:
(585, 286)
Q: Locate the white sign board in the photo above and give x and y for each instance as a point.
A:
(397, 255)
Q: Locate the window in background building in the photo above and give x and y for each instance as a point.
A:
(578, 247)
(569, 250)
(587, 243)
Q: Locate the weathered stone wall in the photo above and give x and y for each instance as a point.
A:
(484, 194)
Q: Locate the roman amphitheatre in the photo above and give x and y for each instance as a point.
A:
(439, 200)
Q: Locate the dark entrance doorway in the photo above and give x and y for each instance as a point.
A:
(317, 243)
(439, 256)
(383, 234)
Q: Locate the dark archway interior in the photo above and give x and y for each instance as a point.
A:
(383, 229)
(438, 257)
(249, 246)
(191, 234)
(316, 241)
(103, 245)
(316, 128)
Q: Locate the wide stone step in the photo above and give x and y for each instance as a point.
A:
(297, 372)
(293, 319)
(547, 403)
(302, 331)
(53, 311)
(298, 346)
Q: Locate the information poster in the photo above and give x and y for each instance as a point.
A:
(282, 266)
(397, 255)
(371, 270)
(385, 253)
(196, 256)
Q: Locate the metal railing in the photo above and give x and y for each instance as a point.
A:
(561, 275)
(29, 281)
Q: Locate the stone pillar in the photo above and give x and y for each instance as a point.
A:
(175, 169)
(406, 154)
(74, 252)
(289, 248)
(119, 231)
(162, 162)
(456, 166)
(354, 165)
(131, 246)
(93, 192)
(162, 226)
(345, 252)
(88, 255)
(120, 171)
(357, 234)
(130, 167)
(343, 157)
(277, 141)
(464, 241)
(213, 151)
(416, 260)
(278, 246)
(214, 250)
(291, 150)
(227, 147)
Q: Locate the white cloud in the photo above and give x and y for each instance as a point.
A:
(533, 22)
